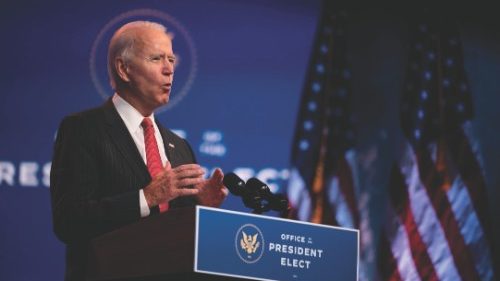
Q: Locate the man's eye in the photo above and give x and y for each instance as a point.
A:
(156, 58)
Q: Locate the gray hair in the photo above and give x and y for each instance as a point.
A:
(122, 45)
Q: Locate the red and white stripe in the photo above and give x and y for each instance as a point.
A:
(341, 188)
(428, 224)
(298, 196)
(437, 230)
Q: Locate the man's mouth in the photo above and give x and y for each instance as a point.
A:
(166, 86)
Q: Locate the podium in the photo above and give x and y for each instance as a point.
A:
(201, 243)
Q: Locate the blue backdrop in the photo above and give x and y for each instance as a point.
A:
(242, 65)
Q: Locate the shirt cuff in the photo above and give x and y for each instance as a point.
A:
(143, 204)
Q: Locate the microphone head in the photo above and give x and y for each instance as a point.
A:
(234, 183)
(277, 202)
(251, 197)
(256, 185)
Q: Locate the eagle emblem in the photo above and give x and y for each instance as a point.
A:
(249, 243)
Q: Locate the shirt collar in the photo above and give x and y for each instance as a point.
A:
(129, 114)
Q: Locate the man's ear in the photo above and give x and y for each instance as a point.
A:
(122, 69)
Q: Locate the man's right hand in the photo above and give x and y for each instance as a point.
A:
(172, 183)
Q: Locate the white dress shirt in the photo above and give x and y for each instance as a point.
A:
(133, 119)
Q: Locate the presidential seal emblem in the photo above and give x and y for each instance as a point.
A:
(184, 49)
(249, 243)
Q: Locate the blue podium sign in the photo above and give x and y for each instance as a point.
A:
(267, 248)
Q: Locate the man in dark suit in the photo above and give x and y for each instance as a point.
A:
(114, 164)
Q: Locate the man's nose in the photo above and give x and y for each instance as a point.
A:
(168, 68)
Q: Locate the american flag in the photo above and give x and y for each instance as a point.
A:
(321, 185)
(438, 218)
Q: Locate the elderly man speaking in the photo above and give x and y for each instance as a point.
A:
(115, 164)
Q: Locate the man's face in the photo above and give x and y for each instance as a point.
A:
(151, 69)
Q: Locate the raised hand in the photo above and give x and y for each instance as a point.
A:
(211, 191)
(174, 182)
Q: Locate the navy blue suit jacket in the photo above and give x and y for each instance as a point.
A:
(96, 175)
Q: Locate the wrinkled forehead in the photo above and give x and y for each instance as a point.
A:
(148, 39)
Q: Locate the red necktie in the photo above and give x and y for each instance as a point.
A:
(153, 159)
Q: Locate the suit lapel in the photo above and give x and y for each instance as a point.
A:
(125, 144)
(169, 146)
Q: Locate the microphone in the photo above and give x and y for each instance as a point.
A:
(234, 183)
(236, 186)
(276, 202)
(280, 203)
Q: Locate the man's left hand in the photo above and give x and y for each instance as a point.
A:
(212, 191)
